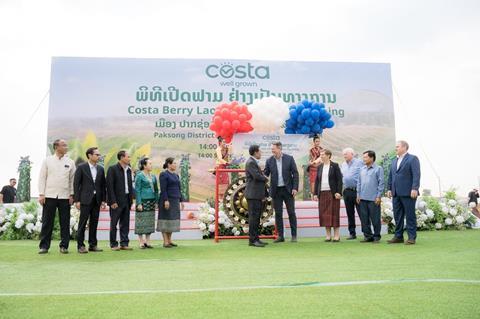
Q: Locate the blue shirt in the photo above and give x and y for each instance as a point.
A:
(370, 182)
(279, 171)
(350, 172)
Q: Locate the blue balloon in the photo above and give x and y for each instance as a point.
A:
(329, 124)
(300, 108)
(320, 131)
(293, 113)
(328, 116)
(315, 114)
(315, 106)
(316, 128)
(298, 131)
(290, 124)
(305, 129)
(323, 115)
(306, 114)
(309, 122)
(306, 103)
(292, 107)
(322, 106)
(300, 120)
(289, 131)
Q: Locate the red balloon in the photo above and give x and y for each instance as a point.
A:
(224, 106)
(217, 120)
(233, 115)
(226, 125)
(235, 124)
(217, 112)
(234, 103)
(245, 127)
(213, 127)
(249, 115)
(243, 109)
(225, 113)
(228, 138)
(242, 117)
(237, 109)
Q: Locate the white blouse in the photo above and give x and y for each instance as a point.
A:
(325, 186)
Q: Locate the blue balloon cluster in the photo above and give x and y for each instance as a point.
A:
(308, 117)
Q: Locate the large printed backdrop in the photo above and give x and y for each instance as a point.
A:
(163, 107)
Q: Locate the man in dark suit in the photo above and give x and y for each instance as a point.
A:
(89, 194)
(255, 195)
(283, 188)
(120, 198)
(403, 185)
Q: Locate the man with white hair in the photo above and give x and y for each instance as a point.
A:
(350, 171)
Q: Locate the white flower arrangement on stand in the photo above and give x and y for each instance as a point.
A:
(435, 214)
(19, 221)
(206, 222)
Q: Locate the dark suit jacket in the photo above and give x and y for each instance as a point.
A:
(116, 186)
(170, 186)
(84, 187)
(403, 180)
(335, 179)
(255, 188)
(289, 173)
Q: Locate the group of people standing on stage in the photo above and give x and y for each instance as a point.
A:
(61, 184)
(359, 181)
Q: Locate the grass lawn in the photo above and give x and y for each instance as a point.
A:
(437, 278)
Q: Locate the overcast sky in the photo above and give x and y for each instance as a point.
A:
(433, 48)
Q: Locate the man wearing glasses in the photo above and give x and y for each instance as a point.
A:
(89, 194)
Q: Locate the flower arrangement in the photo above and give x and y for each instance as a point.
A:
(20, 221)
(435, 213)
(206, 223)
(24, 221)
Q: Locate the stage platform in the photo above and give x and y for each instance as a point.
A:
(307, 221)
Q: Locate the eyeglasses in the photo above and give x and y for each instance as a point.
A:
(97, 154)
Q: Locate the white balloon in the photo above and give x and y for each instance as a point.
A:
(268, 114)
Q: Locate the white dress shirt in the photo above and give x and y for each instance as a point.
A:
(399, 160)
(325, 186)
(93, 170)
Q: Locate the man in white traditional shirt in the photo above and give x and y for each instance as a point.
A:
(56, 192)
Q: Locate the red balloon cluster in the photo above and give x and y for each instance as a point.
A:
(229, 119)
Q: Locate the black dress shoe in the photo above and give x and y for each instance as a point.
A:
(63, 250)
(376, 241)
(43, 251)
(95, 249)
(150, 246)
(410, 242)
(172, 244)
(366, 240)
(352, 237)
(262, 242)
(279, 240)
(256, 244)
(395, 240)
(82, 250)
(294, 239)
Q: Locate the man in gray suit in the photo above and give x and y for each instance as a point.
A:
(255, 195)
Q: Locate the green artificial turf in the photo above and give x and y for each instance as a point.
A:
(201, 279)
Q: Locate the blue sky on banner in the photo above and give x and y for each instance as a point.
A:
(430, 44)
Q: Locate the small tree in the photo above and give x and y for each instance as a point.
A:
(23, 190)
